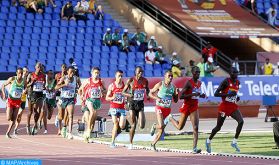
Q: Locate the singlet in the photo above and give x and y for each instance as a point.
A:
(231, 87)
(118, 101)
(69, 91)
(93, 90)
(38, 85)
(166, 94)
(138, 89)
(16, 90)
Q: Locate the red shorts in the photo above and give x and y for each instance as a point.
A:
(13, 103)
(164, 111)
(187, 109)
(227, 108)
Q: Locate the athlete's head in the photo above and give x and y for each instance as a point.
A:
(233, 73)
(168, 76)
(118, 75)
(63, 68)
(38, 67)
(71, 71)
(196, 72)
(139, 71)
(95, 72)
(50, 74)
(19, 73)
(25, 71)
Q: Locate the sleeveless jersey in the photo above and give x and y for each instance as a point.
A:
(138, 89)
(50, 94)
(231, 87)
(93, 90)
(166, 95)
(38, 85)
(16, 90)
(69, 91)
(196, 87)
(118, 101)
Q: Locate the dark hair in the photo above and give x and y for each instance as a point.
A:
(70, 67)
(194, 68)
(71, 60)
(49, 71)
(168, 71)
(138, 67)
(19, 68)
(96, 68)
(119, 71)
(64, 65)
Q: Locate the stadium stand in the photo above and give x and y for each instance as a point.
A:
(26, 38)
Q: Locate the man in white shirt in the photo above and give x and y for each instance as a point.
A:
(276, 69)
(85, 5)
(150, 56)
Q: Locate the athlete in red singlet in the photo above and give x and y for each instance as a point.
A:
(190, 93)
(228, 91)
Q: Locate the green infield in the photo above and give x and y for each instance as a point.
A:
(249, 143)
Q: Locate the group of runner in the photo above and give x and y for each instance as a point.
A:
(45, 91)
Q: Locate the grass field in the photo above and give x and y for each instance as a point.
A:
(249, 143)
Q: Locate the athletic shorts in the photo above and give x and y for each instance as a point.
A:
(35, 97)
(64, 102)
(136, 106)
(51, 103)
(95, 102)
(187, 109)
(164, 111)
(22, 105)
(227, 108)
(117, 112)
(84, 108)
(13, 103)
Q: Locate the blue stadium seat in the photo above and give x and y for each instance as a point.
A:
(63, 30)
(46, 30)
(5, 56)
(157, 67)
(43, 43)
(96, 55)
(37, 30)
(20, 23)
(4, 10)
(113, 61)
(73, 23)
(80, 36)
(107, 16)
(87, 49)
(11, 23)
(113, 55)
(34, 50)
(70, 49)
(13, 10)
(104, 61)
(2, 23)
(22, 62)
(64, 23)
(48, 10)
(59, 62)
(39, 17)
(157, 73)
(56, 16)
(70, 43)
(54, 30)
(8, 36)
(90, 17)
(46, 23)
(45, 36)
(21, 10)
(27, 30)
(3, 16)
(81, 23)
(11, 68)
(7, 43)
(78, 55)
(98, 23)
(52, 49)
(88, 42)
(33, 55)
(98, 30)
(148, 67)
(107, 23)
(13, 61)
(51, 56)
(114, 49)
(15, 49)
(78, 49)
(139, 55)
(24, 49)
(166, 66)
(43, 49)
(5, 3)
(48, 67)
(96, 49)
(122, 62)
(12, 16)
(61, 49)
(148, 73)
(3, 68)
(28, 23)
(26, 43)
(2, 30)
(38, 23)
(31, 62)
(55, 23)
(16, 42)
(89, 30)
(18, 30)
(42, 56)
(21, 16)
(62, 43)
(90, 24)
(105, 49)
(72, 30)
(60, 55)
(86, 62)
(47, 16)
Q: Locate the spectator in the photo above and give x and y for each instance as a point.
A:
(201, 66)
(276, 69)
(92, 6)
(50, 1)
(99, 15)
(85, 5)
(152, 42)
(116, 37)
(80, 12)
(32, 7)
(176, 69)
(209, 68)
(209, 51)
(41, 5)
(175, 57)
(235, 64)
(160, 56)
(139, 39)
(73, 64)
(67, 12)
(125, 33)
(125, 44)
(272, 18)
(107, 38)
(251, 5)
(21, 2)
(189, 68)
(267, 68)
(150, 56)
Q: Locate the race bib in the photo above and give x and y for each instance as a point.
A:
(139, 94)
(68, 93)
(17, 93)
(119, 99)
(166, 102)
(50, 95)
(38, 87)
(95, 93)
(232, 99)
(196, 90)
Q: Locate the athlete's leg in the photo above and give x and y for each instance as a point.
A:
(220, 122)
(9, 114)
(133, 124)
(30, 112)
(115, 127)
(18, 119)
(61, 113)
(160, 128)
(50, 112)
(92, 117)
(37, 110)
(42, 114)
(12, 121)
(181, 123)
(141, 119)
(236, 115)
(70, 110)
(122, 122)
(45, 113)
(194, 117)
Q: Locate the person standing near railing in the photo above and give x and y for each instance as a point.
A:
(235, 64)
(267, 68)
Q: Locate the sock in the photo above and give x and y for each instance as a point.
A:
(234, 140)
(208, 140)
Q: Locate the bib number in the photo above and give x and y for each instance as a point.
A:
(119, 99)
(139, 94)
(196, 90)
(166, 102)
(68, 94)
(231, 99)
(95, 93)
(38, 87)
(17, 93)
(50, 95)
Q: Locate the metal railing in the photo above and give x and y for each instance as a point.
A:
(187, 35)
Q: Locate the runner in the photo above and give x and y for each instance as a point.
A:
(17, 88)
(49, 101)
(68, 85)
(36, 83)
(23, 102)
(117, 105)
(228, 91)
(93, 89)
(190, 93)
(166, 92)
(137, 86)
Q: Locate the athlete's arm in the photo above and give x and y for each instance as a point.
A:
(154, 90)
(104, 89)
(78, 82)
(108, 96)
(29, 81)
(185, 88)
(61, 84)
(81, 88)
(147, 89)
(9, 81)
(175, 94)
(126, 87)
(223, 86)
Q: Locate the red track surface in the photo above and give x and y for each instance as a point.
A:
(52, 149)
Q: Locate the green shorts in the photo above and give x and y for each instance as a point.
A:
(95, 102)
(50, 102)
(64, 102)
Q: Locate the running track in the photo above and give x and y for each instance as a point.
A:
(52, 149)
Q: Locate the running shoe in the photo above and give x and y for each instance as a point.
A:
(34, 131)
(8, 136)
(130, 146)
(45, 132)
(235, 146)
(153, 129)
(153, 148)
(70, 136)
(40, 125)
(56, 122)
(208, 146)
(112, 145)
(64, 132)
(196, 151)
(28, 130)
(167, 119)
(86, 136)
(15, 132)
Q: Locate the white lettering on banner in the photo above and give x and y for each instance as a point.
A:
(239, 93)
(267, 89)
(208, 90)
(256, 90)
(249, 83)
(273, 89)
(261, 87)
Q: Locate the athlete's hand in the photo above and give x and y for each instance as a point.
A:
(67, 81)
(202, 95)
(113, 96)
(148, 98)
(3, 96)
(177, 91)
(237, 99)
(196, 94)
(233, 93)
